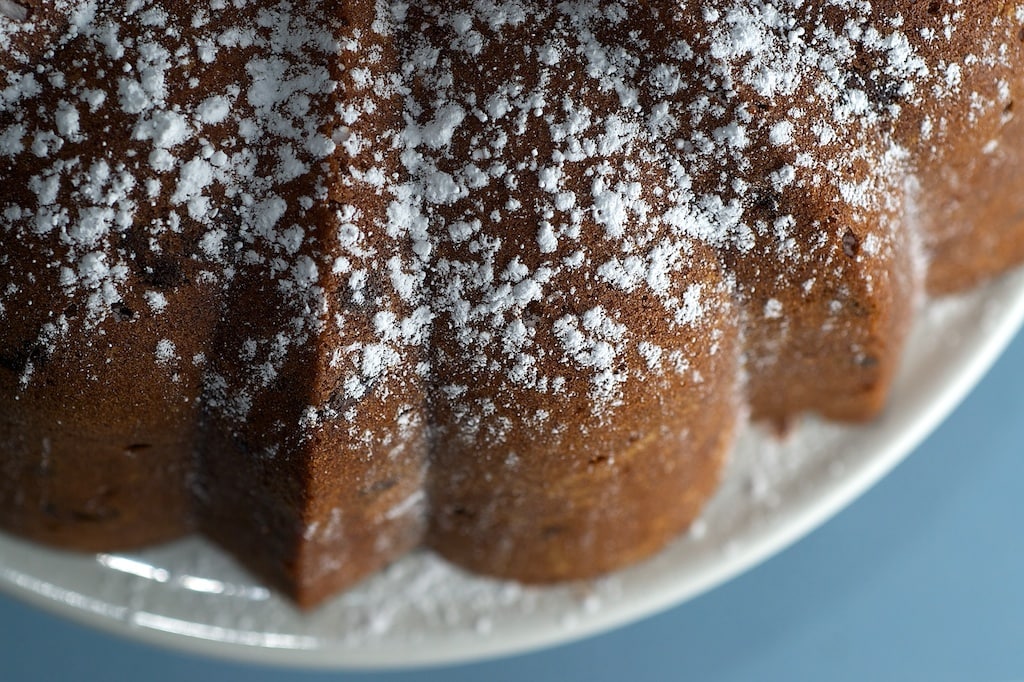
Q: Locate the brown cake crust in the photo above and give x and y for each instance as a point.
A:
(536, 490)
(343, 496)
(330, 281)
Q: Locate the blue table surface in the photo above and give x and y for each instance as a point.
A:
(920, 579)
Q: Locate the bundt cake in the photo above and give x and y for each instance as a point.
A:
(329, 280)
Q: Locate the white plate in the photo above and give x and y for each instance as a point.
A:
(190, 596)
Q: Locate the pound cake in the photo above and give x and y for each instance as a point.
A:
(328, 281)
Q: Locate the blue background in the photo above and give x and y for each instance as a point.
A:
(921, 579)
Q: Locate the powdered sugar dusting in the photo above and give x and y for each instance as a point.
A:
(448, 236)
(13, 10)
(683, 108)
